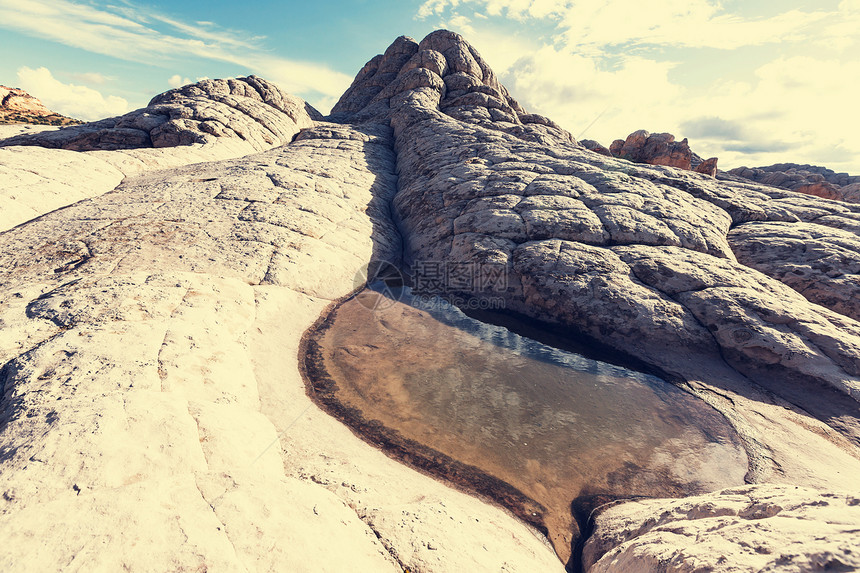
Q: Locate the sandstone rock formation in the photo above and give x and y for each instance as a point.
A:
(637, 258)
(17, 106)
(152, 404)
(471, 93)
(706, 166)
(809, 179)
(249, 109)
(655, 149)
(746, 528)
(207, 121)
(153, 415)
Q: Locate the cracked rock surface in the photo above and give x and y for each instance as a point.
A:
(153, 415)
(656, 262)
(249, 109)
(736, 529)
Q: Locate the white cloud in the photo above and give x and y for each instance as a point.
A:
(574, 90)
(609, 68)
(698, 23)
(127, 33)
(71, 100)
(92, 78)
(515, 9)
(689, 23)
(842, 34)
(177, 81)
(797, 109)
(461, 24)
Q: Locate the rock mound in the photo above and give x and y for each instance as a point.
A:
(17, 106)
(453, 77)
(640, 258)
(809, 179)
(249, 109)
(654, 149)
(629, 257)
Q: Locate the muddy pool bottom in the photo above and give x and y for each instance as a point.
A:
(544, 432)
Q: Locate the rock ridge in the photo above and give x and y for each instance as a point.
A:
(466, 87)
(249, 109)
(810, 179)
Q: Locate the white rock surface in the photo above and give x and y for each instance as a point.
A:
(752, 528)
(39, 180)
(153, 415)
(207, 121)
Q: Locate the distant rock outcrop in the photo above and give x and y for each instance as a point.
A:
(250, 109)
(17, 106)
(596, 146)
(655, 149)
(706, 166)
(809, 179)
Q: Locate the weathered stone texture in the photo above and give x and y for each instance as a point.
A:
(152, 405)
(249, 109)
(809, 179)
(737, 529)
(149, 333)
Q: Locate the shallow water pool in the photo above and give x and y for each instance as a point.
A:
(540, 430)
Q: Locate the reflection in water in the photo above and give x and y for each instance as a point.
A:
(489, 409)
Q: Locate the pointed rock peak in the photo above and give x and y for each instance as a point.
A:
(376, 74)
(443, 72)
(462, 59)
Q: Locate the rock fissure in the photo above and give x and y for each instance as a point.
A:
(224, 529)
(389, 548)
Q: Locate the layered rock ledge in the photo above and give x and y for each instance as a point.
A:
(249, 109)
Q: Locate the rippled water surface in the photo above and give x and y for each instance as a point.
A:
(477, 399)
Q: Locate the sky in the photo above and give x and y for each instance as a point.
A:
(753, 82)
